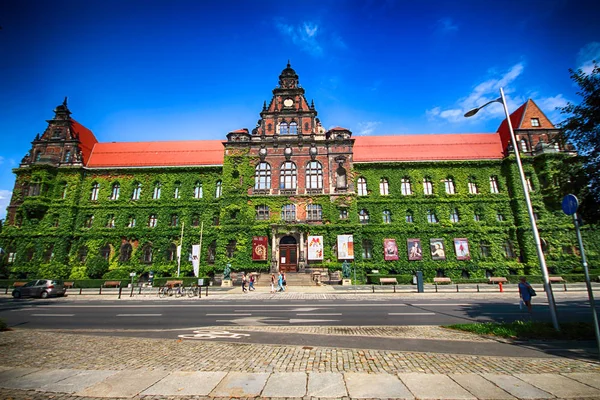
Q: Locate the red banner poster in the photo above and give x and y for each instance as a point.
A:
(259, 248)
(390, 250)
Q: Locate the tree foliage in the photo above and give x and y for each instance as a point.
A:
(582, 129)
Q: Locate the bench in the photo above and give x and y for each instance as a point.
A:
(442, 280)
(498, 279)
(112, 284)
(173, 283)
(18, 284)
(388, 280)
(556, 279)
(69, 285)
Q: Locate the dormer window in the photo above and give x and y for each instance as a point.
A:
(535, 122)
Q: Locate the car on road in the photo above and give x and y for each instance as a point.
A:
(40, 288)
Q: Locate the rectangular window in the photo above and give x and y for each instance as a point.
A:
(367, 249)
(494, 185)
(427, 187)
(535, 122)
(473, 188)
(11, 257)
(409, 218)
(262, 212)
(343, 213)
(449, 185)
(314, 212)
(288, 212)
(110, 221)
(131, 223)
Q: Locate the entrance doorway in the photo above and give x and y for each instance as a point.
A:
(288, 254)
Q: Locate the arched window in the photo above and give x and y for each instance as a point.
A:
(473, 186)
(363, 216)
(156, 193)
(137, 191)
(67, 157)
(384, 189)
(427, 186)
(405, 187)
(198, 193)
(431, 217)
(494, 185)
(524, 146)
(94, 193)
(147, 254)
(454, 215)
(293, 128)
(387, 217)
(361, 186)
(219, 189)
(409, 217)
(105, 251)
(340, 178)
(287, 177)
(314, 175)
(116, 190)
(262, 176)
(176, 192)
(449, 186)
(125, 252)
(283, 128)
(172, 252)
(288, 212)
(48, 253)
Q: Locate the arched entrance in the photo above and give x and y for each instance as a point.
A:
(288, 254)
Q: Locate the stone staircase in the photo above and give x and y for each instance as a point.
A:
(292, 279)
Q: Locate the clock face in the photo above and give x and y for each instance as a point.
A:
(288, 102)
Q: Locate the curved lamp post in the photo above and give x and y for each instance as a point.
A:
(536, 235)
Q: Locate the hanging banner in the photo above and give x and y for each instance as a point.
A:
(259, 248)
(315, 248)
(196, 259)
(461, 246)
(345, 247)
(390, 250)
(178, 251)
(438, 252)
(415, 251)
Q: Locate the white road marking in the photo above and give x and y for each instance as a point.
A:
(205, 334)
(228, 315)
(440, 304)
(307, 314)
(139, 315)
(310, 321)
(52, 315)
(415, 313)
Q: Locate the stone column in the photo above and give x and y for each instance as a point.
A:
(301, 259)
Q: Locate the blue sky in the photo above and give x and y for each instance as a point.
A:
(182, 70)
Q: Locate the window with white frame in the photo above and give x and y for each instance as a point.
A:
(367, 249)
(288, 177)
(409, 217)
(152, 221)
(361, 186)
(262, 176)
(427, 186)
(314, 175)
(449, 186)
(95, 191)
(198, 193)
(431, 217)
(137, 191)
(535, 122)
(387, 216)
(405, 187)
(293, 128)
(262, 212)
(156, 192)
(64, 191)
(176, 192)
(343, 213)
(499, 217)
(110, 221)
(454, 215)
(131, 222)
(529, 182)
(11, 257)
(494, 185)
(219, 189)
(363, 216)
(314, 212)
(288, 212)
(473, 187)
(524, 146)
(284, 128)
(116, 190)
(384, 189)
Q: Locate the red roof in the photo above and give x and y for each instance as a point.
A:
(476, 146)
(521, 119)
(156, 154)
(87, 140)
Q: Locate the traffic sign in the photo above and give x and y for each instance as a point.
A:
(570, 204)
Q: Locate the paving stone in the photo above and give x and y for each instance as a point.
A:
(518, 388)
(124, 384)
(585, 377)
(560, 386)
(326, 384)
(37, 379)
(241, 384)
(78, 382)
(181, 383)
(286, 384)
(9, 375)
(365, 386)
(434, 386)
(480, 387)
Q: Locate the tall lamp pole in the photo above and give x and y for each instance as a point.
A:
(536, 235)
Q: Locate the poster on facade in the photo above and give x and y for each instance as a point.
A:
(196, 259)
(259, 248)
(345, 247)
(390, 250)
(415, 251)
(438, 252)
(461, 246)
(315, 248)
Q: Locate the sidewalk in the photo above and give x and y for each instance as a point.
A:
(44, 364)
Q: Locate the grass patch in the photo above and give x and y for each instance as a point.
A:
(530, 330)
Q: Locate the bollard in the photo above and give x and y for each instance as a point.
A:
(373, 288)
(131, 294)
(394, 288)
(120, 288)
(456, 288)
(565, 285)
(140, 292)
(6, 290)
(206, 290)
(500, 287)
(100, 291)
(435, 287)
(80, 289)
(477, 288)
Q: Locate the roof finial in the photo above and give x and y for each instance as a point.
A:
(65, 102)
(288, 63)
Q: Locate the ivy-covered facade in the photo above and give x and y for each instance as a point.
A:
(85, 209)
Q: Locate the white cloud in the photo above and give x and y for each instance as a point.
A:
(368, 127)
(5, 196)
(446, 25)
(587, 55)
(1, 160)
(305, 35)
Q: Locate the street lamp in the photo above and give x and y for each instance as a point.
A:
(536, 235)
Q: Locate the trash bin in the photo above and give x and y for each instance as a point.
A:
(419, 276)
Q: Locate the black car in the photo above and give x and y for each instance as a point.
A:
(40, 288)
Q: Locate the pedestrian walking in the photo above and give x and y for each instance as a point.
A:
(272, 283)
(284, 281)
(526, 292)
(280, 285)
(244, 282)
(251, 280)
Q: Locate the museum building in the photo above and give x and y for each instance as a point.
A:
(288, 195)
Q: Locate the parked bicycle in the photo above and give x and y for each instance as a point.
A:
(172, 288)
(193, 291)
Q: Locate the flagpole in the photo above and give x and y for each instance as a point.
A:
(200, 252)
(180, 250)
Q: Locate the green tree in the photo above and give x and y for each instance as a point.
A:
(582, 129)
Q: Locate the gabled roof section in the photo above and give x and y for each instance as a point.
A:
(157, 154)
(87, 140)
(476, 146)
(521, 120)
